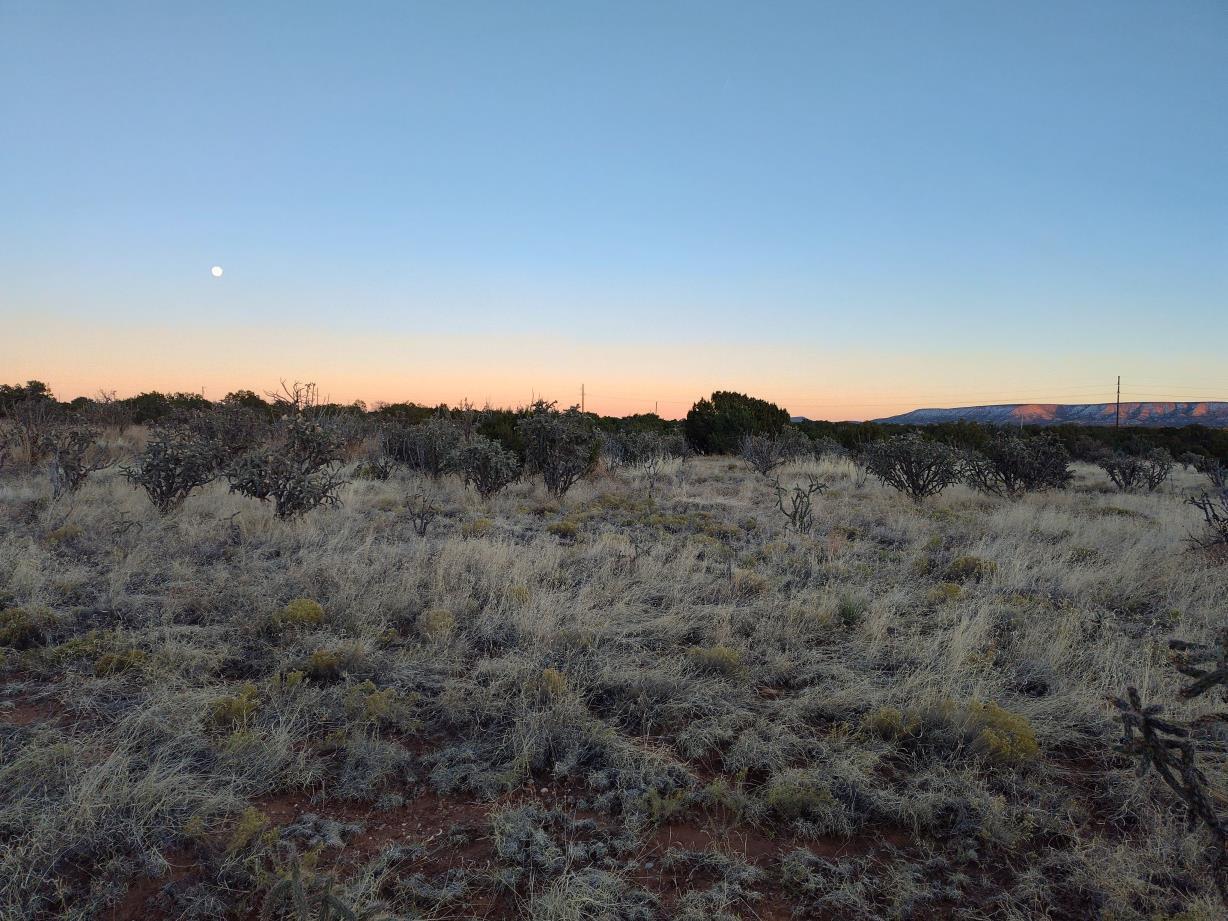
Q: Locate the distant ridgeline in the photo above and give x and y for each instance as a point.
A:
(1152, 415)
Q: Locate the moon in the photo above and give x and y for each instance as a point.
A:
(216, 271)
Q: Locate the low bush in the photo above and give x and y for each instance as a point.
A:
(914, 465)
(297, 470)
(1010, 465)
(561, 446)
(485, 465)
(1131, 472)
(170, 468)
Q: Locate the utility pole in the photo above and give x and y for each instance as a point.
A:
(656, 407)
(581, 398)
(1117, 424)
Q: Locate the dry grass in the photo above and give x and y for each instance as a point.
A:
(901, 714)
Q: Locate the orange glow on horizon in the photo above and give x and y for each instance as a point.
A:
(620, 378)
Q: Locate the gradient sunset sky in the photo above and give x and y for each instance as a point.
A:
(852, 209)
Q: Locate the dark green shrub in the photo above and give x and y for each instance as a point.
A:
(718, 425)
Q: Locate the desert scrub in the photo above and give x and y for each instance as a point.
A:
(944, 592)
(550, 685)
(301, 612)
(22, 629)
(248, 829)
(1000, 735)
(970, 569)
(890, 723)
(234, 711)
(716, 660)
(436, 624)
(566, 529)
(476, 528)
(116, 663)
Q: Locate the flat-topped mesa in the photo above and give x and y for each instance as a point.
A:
(1213, 414)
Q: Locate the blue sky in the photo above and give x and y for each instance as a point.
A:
(834, 202)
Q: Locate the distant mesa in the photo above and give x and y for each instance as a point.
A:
(1153, 415)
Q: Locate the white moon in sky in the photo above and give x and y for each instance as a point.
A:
(216, 271)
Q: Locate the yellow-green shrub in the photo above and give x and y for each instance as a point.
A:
(247, 829)
(722, 660)
(301, 612)
(564, 528)
(113, 663)
(795, 793)
(436, 623)
(20, 629)
(234, 711)
(1001, 735)
(478, 527)
(944, 592)
(970, 569)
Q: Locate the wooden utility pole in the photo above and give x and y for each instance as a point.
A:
(581, 398)
(1117, 424)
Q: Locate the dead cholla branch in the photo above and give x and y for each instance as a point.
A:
(1189, 659)
(1011, 466)
(422, 511)
(1215, 515)
(561, 446)
(1131, 472)
(1168, 747)
(295, 398)
(800, 512)
(914, 465)
(1213, 469)
(298, 469)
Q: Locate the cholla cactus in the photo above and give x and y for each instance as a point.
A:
(914, 465)
(426, 447)
(73, 454)
(297, 469)
(1011, 466)
(1130, 472)
(1168, 747)
(170, 468)
(562, 446)
(1215, 513)
(799, 512)
(485, 465)
(1212, 467)
(767, 452)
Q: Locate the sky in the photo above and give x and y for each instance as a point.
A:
(852, 209)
